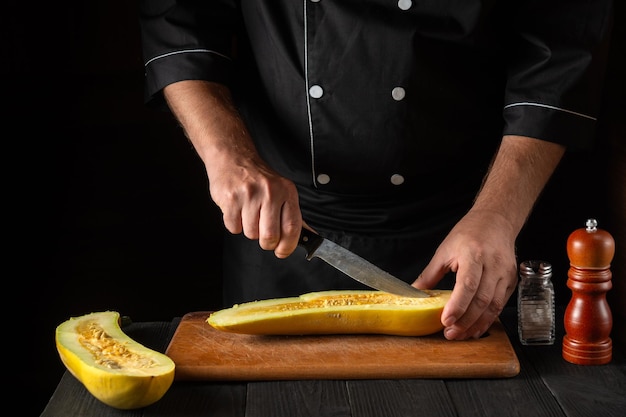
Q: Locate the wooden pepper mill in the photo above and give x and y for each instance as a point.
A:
(588, 319)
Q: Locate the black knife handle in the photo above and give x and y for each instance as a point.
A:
(310, 241)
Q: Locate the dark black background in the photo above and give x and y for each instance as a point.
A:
(107, 205)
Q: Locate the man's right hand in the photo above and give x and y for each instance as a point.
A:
(254, 199)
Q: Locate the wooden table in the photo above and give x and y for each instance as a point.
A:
(547, 385)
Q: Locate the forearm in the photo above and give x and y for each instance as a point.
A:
(210, 121)
(253, 198)
(519, 172)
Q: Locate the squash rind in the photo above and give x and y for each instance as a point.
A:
(336, 312)
(139, 382)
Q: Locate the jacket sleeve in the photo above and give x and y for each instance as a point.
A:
(555, 69)
(185, 40)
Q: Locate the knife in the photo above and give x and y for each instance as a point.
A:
(354, 266)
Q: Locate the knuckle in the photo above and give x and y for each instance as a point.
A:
(269, 240)
(496, 307)
(291, 229)
(266, 244)
(482, 301)
(471, 283)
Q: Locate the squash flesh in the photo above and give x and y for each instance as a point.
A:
(336, 312)
(114, 368)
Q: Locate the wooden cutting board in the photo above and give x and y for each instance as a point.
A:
(201, 352)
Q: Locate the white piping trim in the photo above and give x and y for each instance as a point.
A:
(526, 103)
(308, 98)
(185, 51)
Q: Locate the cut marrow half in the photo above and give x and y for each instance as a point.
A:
(113, 367)
(336, 312)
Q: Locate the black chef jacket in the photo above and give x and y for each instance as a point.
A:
(385, 113)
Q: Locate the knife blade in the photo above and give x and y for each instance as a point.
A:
(355, 266)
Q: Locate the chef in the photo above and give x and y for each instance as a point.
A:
(417, 134)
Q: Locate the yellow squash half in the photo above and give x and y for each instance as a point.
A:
(336, 312)
(113, 367)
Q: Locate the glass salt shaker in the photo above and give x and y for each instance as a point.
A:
(535, 303)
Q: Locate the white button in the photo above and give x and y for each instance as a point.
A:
(316, 91)
(323, 179)
(397, 179)
(405, 4)
(398, 93)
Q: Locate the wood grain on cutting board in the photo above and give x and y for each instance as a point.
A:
(201, 352)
